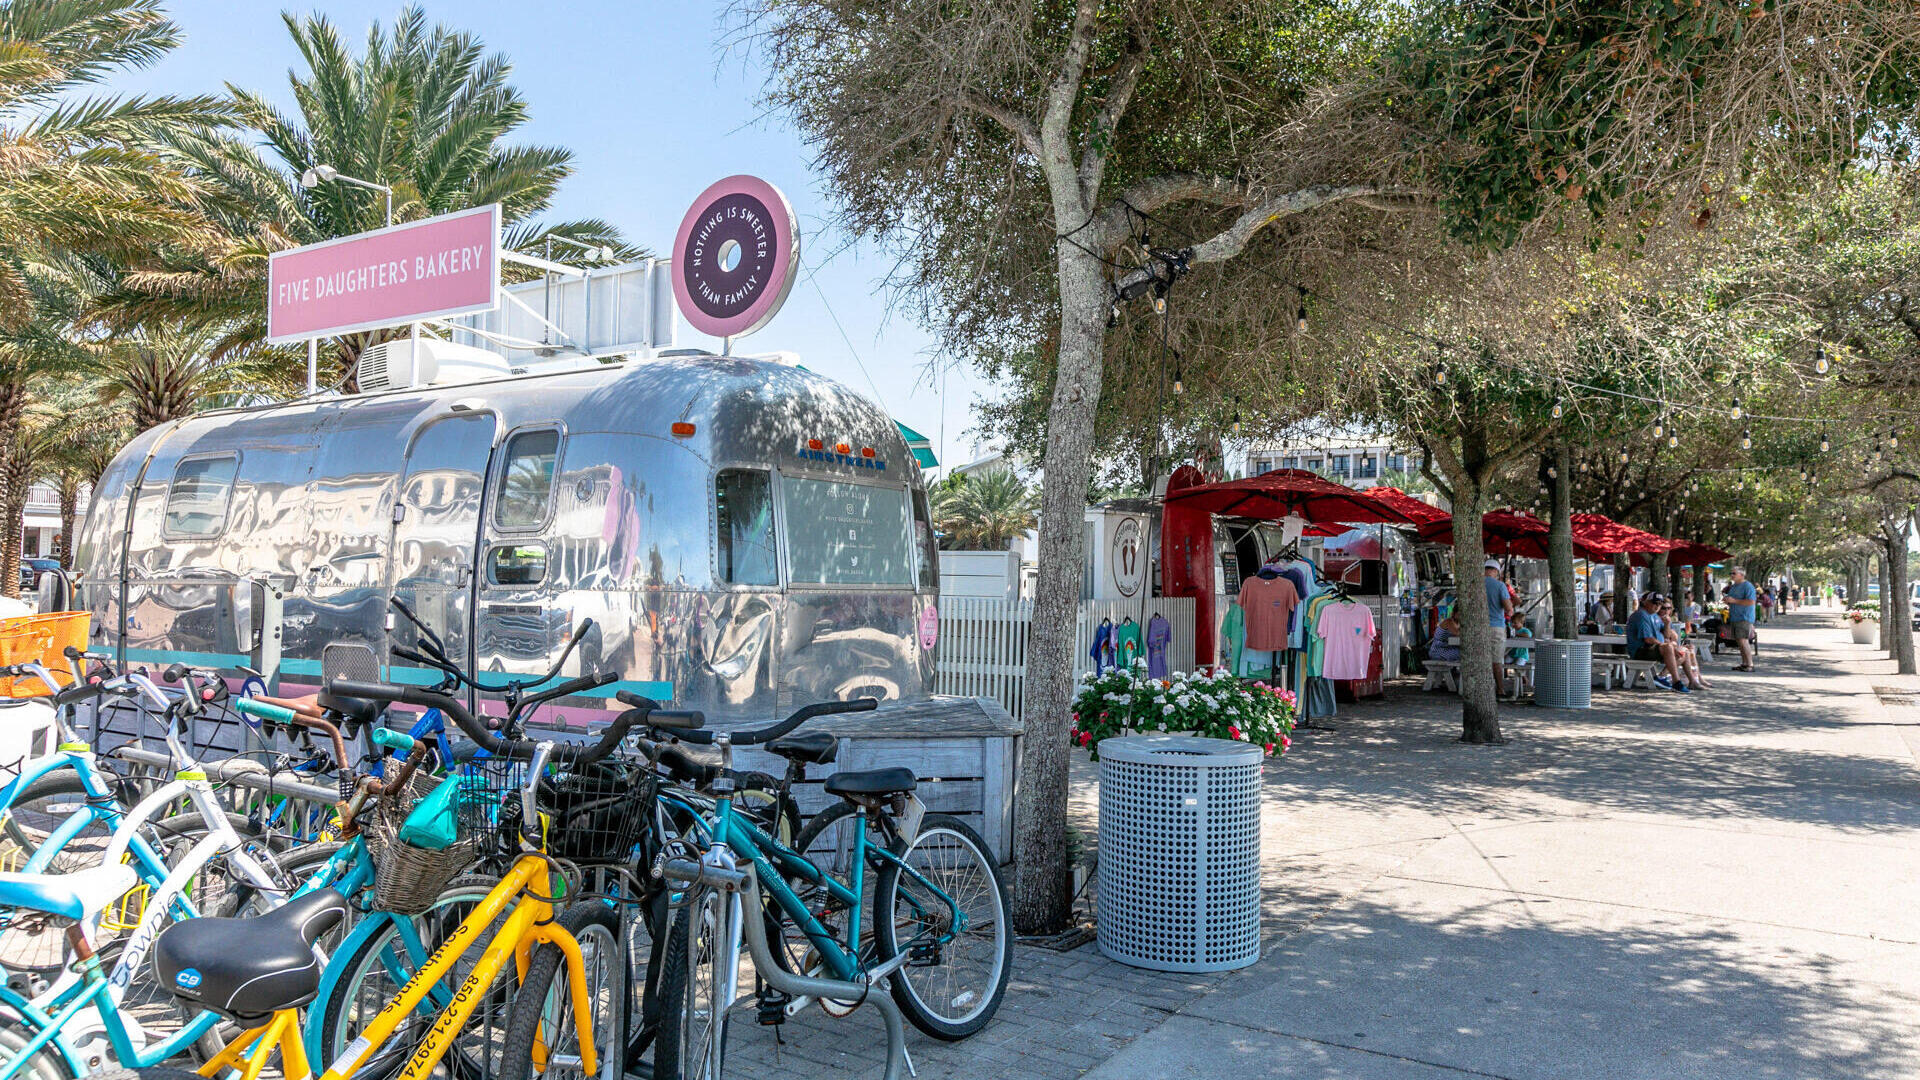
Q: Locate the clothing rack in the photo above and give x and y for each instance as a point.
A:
(1294, 675)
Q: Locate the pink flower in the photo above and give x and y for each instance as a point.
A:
(1269, 749)
(1086, 737)
(1235, 732)
(1286, 742)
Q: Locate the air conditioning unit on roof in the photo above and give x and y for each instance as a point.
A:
(398, 364)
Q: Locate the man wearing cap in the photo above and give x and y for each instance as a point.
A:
(1647, 640)
(1499, 612)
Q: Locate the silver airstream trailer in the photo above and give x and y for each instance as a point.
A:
(746, 535)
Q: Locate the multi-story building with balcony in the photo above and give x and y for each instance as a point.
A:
(1354, 460)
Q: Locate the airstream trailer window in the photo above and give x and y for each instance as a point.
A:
(526, 483)
(517, 564)
(923, 536)
(197, 501)
(743, 522)
(846, 534)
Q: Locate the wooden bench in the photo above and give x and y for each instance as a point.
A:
(1442, 673)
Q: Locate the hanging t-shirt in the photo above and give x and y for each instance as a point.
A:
(1269, 604)
(1159, 635)
(1348, 631)
(1126, 644)
(1102, 651)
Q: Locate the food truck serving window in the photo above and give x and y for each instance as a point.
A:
(197, 500)
(846, 534)
(743, 521)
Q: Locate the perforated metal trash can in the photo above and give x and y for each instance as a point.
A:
(1180, 852)
(1563, 674)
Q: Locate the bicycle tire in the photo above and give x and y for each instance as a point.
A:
(544, 1000)
(45, 1064)
(790, 946)
(986, 883)
(36, 811)
(340, 1008)
(691, 962)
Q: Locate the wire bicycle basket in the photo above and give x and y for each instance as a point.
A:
(408, 878)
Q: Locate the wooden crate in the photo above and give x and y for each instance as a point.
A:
(965, 752)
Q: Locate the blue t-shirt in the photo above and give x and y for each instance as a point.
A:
(1496, 601)
(1740, 590)
(1641, 625)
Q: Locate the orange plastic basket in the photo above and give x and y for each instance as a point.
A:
(20, 641)
(63, 629)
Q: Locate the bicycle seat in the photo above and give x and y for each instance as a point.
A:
(815, 747)
(354, 710)
(249, 968)
(75, 896)
(895, 781)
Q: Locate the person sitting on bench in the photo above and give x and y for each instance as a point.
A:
(1446, 641)
(1647, 642)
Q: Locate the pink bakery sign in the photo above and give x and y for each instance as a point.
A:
(429, 269)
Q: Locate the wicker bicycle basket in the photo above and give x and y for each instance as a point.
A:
(408, 879)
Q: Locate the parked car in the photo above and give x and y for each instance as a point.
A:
(32, 569)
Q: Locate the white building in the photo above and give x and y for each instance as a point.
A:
(41, 527)
(1358, 461)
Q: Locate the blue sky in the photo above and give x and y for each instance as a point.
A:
(653, 113)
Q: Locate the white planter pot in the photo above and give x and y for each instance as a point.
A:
(1866, 632)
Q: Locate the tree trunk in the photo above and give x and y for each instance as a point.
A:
(1043, 898)
(1894, 600)
(13, 486)
(1699, 583)
(1566, 607)
(1622, 583)
(1656, 571)
(69, 512)
(1479, 695)
(1886, 609)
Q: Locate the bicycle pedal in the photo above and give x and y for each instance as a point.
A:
(773, 1007)
(923, 954)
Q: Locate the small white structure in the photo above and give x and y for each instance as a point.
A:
(992, 574)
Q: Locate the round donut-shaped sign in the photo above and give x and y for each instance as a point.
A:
(735, 257)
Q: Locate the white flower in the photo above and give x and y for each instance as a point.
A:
(1166, 710)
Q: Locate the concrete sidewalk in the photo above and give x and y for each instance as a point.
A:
(1714, 885)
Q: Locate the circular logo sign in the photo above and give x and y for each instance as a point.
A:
(929, 626)
(1129, 561)
(735, 257)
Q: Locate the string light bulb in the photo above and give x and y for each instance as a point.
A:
(1583, 466)
(1179, 384)
(1624, 458)
(1440, 373)
(1746, 440)
(1893, 438)
(1236, 416)
(1553, 473)
(1821, 365)
(1673, 440)
(1736, 408)
(1825, 443)
(1558, 412)
(1659, 426)
(1301, 322)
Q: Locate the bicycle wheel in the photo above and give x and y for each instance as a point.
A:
(693, 1018)
(541, 1020)
(958, 974)
(30, 948)
(45, 1064)
(828, 843)
(382, 963)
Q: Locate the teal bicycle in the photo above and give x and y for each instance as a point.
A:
(874, 889)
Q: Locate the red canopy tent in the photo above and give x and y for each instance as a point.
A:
(1605, 537)
(1504, 532)
(1186, 531)
(1283, 492)
(1688, 553)
(1419, 512)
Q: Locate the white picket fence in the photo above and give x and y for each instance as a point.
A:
(983, 642)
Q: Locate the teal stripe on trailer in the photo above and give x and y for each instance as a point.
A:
(396, 673)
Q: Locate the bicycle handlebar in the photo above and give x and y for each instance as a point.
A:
(279, 714)
(521, 749)
(768, 734)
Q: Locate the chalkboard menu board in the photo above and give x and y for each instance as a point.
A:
(1230, 567)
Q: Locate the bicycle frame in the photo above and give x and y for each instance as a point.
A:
(53, 1013)
(529, 924)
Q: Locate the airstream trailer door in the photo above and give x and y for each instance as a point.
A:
(437, 526)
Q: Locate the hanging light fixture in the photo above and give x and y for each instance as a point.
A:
(1440, 373)
(1673, 440)
(1583, 466)
(1553, 473)
(1746, 440)
(1301, 322)
(1821, 365)
(1893, 438)
(1235, 427)
(1736, 408)
(1659, 425)
(1624, 458)
(1825, 443)
(1558, 412)
(1179, 384)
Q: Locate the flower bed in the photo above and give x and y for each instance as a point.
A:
(1210, 702)
(1864, 610)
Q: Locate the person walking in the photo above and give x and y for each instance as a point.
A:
(1742, 601)
(1767, 600)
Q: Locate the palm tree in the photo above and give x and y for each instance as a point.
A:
(423, 109)
(161, 373)
(983, 511)
(77, 173)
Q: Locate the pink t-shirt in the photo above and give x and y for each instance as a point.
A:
(1348, 631)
